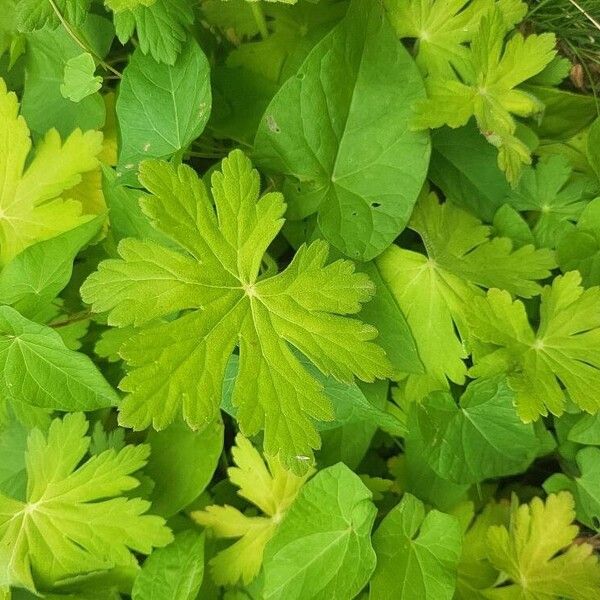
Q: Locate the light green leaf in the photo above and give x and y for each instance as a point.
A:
(181, 464)
(551, 198)
(543, 367)
(38, 369)
(75, 514)
(488, 89)
(478, 439)
(162, 28)
(165, 121)
(174, 572)
(272, 489)
(537, 554)
(35, 277)
(435, 291)
(417, 554)
(322, 549)
(441, 30)
(585, 487)
(79, 80)
(303, 307)
(579, 248)
(343, 152)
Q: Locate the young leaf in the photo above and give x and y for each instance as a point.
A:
(38, 369)
(550, 198)
(442, 29)
(268, 486)
(75, 514)
(173, 572)
(417, 554)
(161, 26)
(216, 276)
(172, 116)
(31, 204)
(343, 152)
(322, 549)
(488, 89)
(79, 80)
(434, 291)
(564, 350)
(579, 248)
(480, 438)
(537, 554)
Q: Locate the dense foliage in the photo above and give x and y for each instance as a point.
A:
(299, 300)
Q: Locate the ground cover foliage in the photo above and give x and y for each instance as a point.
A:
(299, 300)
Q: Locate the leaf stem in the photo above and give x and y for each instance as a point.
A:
(75, 318)
(71, 31)
(259, 17)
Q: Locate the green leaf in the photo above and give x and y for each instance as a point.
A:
(537, 554)
(174, 451)
(585, 487)
(579, 248)
(434, 291)
(272, 489)
(464, 167)
(35, 277)
(162, 108)
(79, 80)
(173, 572)
(75, 514)
(395, 336)
(34, 14)
(38, 369)
(119, 5)
(162, 28)
(322, 549)
(593, 145)
(478, 439)
(342, 153)
(551, 198)
(543, 367)
(417, 554)
(48, 54)
(303, 307)
(488, 89)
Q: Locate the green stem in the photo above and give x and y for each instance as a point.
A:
(259, 17)
(70, 30)
(82, 316)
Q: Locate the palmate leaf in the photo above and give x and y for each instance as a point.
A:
(487, 90)
(442, 29)
(537, 555)
(74, 519)
(564, 350)
(34, 201)
(434, 291)
(268, 486)
(178, 366)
